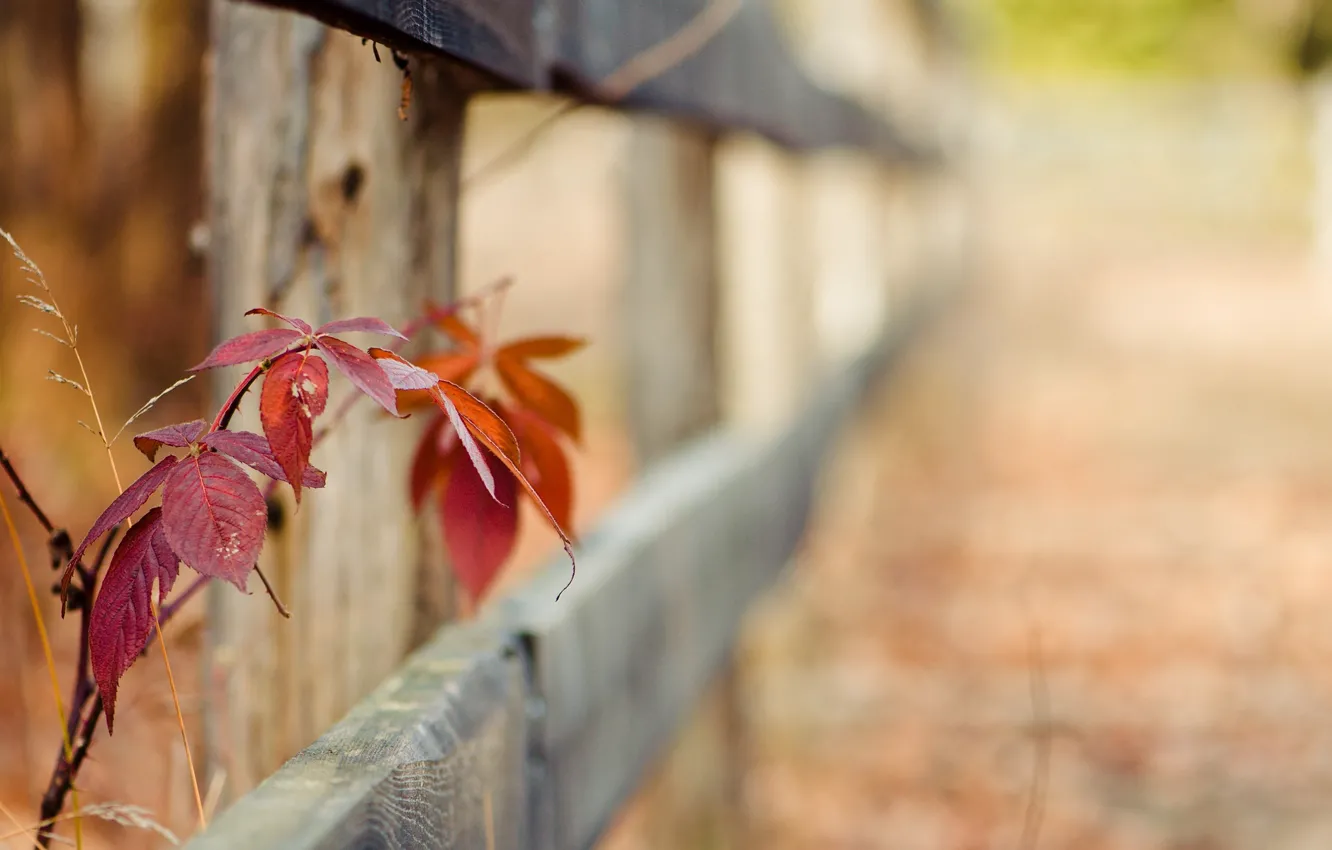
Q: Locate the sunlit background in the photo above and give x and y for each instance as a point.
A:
(1068, 586)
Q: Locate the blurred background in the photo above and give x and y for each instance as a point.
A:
(1069, 578)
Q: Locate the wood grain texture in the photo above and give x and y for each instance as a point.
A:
(743, 78)
(434, 758)
(324, 205)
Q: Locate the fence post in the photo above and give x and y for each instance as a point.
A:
(323, 204)
(671, 323)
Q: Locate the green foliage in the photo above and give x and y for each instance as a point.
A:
(1127, 37)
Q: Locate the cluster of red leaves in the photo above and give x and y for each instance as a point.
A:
(213, 516)
(477, 503)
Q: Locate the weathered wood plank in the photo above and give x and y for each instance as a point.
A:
(323, 205)
(744, 77)
(435, 758)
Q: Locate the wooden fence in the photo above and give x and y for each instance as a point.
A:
(531, 725)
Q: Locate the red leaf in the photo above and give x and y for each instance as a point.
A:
(544, 464)
(179, 435)
(214, 517)
(255, 452)
(299, 324)
(402, 373)
(460, 404)
(249, 347)
(361, 369)
(295, 392)
(125, 504)
(542, 347)
(539, 394)
(122, 616)
(366, 324)
(432, 459)
(478, 530)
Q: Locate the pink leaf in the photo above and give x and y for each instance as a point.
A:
(122, 616)
(402, 373)
(299, 324)
(361, 369)
(253, 451)
(179, 435)
(249, 347)
(432, 460)
(366, 324)
(295, 392)
(215, 517)
(124, 505)
(479, 530)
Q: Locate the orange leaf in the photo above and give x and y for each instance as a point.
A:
(544, 463)
(481, 421)
(485, 423)
(459, 330)
(542, 347)
(540, 395)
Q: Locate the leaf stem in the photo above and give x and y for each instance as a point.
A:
(233, 401)
(272, 594)
(23, 495)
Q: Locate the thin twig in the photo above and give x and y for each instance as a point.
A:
(45, 641)
(641, 68)
(24, 495)
(272, 594)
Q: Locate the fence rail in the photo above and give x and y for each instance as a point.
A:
(737, 74)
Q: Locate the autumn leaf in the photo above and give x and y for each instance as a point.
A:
(539, 394)
(122, 615)
(479, 530)
(361, 369)
(295, 392)
(179, 435)
(299, 324)
(119, 510)
(249, 347)
(253, 451)
(544, 463)
(364, 324)
(214, 516)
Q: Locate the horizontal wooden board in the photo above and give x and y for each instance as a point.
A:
(529, 727)
(435, 757)
(743, 78)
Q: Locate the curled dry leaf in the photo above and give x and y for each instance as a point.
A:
(122, 616)
(299, 324)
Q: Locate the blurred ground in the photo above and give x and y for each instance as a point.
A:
(1090, 515)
